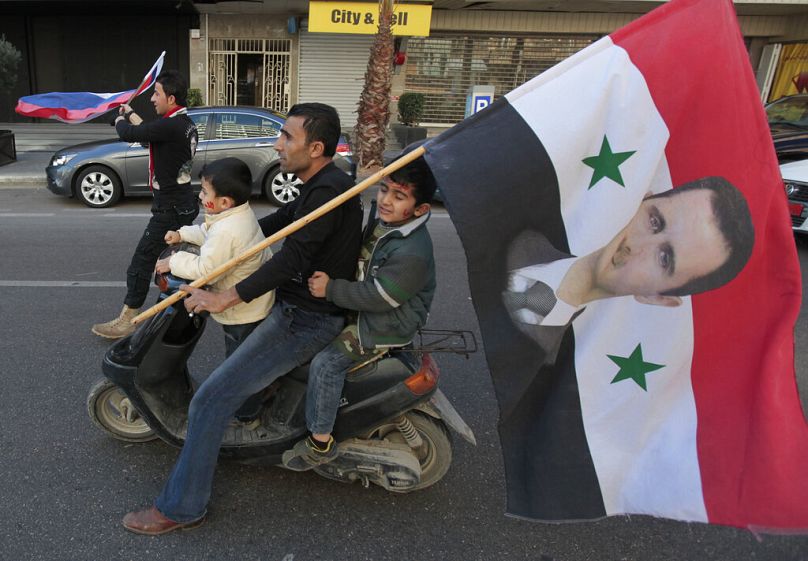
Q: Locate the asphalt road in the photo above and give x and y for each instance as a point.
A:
(65, 485)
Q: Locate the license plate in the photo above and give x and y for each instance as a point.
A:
(795, 209)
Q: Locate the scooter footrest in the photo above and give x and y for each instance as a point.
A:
(387, 464)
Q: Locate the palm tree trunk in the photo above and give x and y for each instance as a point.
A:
(374, 103)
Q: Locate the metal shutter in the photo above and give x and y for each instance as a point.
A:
(332, 70)
(444, 66)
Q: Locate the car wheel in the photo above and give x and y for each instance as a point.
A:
(98, 187)
(281, 187)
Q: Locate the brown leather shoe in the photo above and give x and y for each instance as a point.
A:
(151, 522)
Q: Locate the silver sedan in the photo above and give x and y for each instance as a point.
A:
(100, 173)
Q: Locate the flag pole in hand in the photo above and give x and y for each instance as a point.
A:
(280, 234)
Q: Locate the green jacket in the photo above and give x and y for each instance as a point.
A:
(394, 298)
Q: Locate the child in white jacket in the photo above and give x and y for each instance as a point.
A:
(230, 229)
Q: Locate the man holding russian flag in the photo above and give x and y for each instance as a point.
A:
(172, 143)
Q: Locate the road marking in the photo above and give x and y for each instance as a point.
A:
(64, 284)
(26, 214)
(130, 215)
(82, 216)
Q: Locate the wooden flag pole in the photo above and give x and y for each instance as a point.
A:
(280, 234)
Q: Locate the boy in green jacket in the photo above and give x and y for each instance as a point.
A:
(388, 302)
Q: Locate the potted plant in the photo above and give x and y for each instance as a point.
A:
(410, 111)
(9, 60)
(194, 97)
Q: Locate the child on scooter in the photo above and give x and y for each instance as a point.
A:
(388, 302)
(229, 230)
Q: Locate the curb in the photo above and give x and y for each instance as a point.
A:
(12, 181)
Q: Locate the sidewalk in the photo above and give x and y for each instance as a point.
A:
(27, 171)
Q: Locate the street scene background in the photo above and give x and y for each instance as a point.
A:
(66, 485)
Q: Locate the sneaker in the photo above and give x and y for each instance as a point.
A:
(306, 455)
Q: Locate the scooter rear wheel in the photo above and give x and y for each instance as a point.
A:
(435, 455)
(110, 410)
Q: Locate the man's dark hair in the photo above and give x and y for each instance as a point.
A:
(321, 123)
(733, 220)
(230, 177)
(417, 174)
(174, 84)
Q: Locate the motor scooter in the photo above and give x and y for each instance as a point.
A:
(391, 428)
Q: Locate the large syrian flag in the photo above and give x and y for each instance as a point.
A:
(687, 412)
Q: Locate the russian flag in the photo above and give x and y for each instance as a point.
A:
(78, 107)
(686, 410)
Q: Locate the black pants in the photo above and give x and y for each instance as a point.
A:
(234, 335)
(151, 245)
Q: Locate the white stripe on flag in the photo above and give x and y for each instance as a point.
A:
(632, 434)
(643, 443)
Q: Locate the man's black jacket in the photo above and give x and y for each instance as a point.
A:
(172, 143)
(329, 244)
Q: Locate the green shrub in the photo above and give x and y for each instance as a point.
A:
(9, 60)
(194, 97)
(411, 108)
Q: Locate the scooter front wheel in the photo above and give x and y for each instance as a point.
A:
(111, 410)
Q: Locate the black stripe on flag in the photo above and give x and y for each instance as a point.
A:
(501, 191)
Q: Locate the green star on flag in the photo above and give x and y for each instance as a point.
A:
(607, 164)
(634, 367)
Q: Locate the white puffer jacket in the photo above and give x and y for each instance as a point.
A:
(222, 237)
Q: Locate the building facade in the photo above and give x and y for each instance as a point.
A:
(262, 53)
(499, 43)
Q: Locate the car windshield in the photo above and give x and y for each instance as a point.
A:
(791, 111)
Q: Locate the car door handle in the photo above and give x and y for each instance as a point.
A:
(265, 144)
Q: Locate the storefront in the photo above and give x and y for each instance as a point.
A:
(277, 59)
(332, 70)
(791, 75)
(445, 65)
(91, 46)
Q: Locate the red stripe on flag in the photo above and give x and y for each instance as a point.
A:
(752, 436)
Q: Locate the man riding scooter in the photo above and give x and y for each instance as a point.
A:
(298, 327)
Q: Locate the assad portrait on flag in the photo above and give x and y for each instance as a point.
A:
(688, 240)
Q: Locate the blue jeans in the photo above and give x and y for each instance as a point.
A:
(326, 378)
(287, 338)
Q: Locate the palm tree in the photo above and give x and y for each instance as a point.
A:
(374, 103)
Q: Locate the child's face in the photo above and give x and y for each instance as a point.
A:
(211, 202)
(396, 202)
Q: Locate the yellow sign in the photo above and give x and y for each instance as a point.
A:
(363, 17)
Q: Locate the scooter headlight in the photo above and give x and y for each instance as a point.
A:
(166, 282)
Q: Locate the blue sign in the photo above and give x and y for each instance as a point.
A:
(478, 98)
(481, 102)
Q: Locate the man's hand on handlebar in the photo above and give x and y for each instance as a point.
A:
(200, 300)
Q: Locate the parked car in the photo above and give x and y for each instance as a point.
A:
(99, 173)
(788, 120)
(795, 181)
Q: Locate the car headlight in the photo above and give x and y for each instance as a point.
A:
(62, 159)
